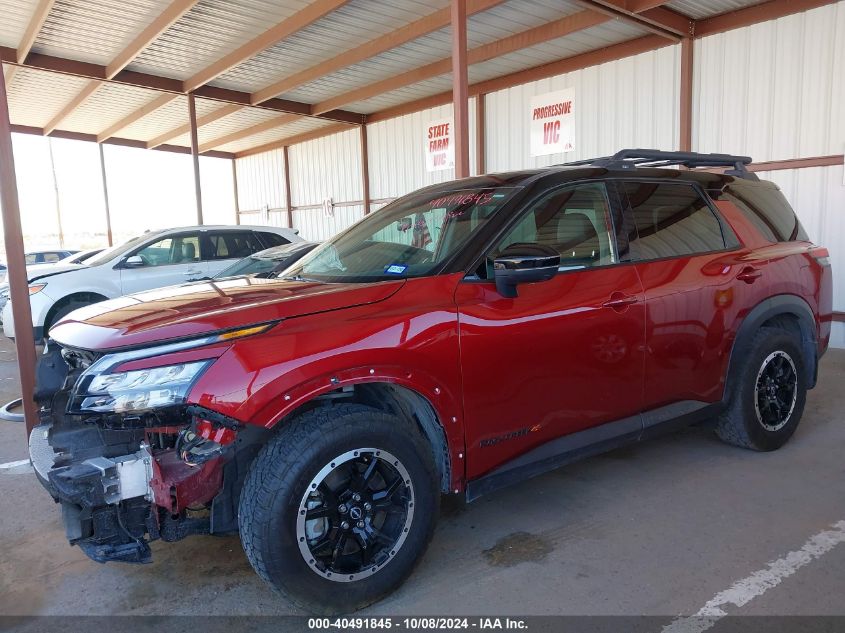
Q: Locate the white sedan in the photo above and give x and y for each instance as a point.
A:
(152, 260)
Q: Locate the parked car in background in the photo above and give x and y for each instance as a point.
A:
(152, 260)
(47, 257)
(268, 263)
(76, 258)
(465, 337)
(81, 256)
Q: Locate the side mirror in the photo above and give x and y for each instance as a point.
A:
(524, 264)
(134, 261)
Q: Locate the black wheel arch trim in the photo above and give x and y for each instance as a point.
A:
(778, 305)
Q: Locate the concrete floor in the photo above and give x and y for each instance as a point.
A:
(658, 529)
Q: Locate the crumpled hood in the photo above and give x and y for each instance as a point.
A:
(208, 306)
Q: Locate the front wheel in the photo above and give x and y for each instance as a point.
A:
(339, 506)
(768, 398)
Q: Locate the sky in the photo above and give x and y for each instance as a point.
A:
(148, 189)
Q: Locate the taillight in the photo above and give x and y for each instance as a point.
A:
(821, 255)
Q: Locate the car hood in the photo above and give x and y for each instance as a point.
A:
(40, 271)
(199, 308)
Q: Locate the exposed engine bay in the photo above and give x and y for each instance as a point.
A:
(127, 478)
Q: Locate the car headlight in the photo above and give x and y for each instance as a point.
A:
(136, 390)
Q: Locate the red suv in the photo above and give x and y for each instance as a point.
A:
(465, 337)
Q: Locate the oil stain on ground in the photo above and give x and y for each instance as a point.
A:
(516, 548)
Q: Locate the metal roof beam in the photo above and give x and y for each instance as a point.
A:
(293, 140)
(425, 25)
(298, 21)
(211, 117)
(33, 28)
(160, 101)
(122, 142)
(159, 25)
(543, 71)
(165, 84)
(82, 96)
(648, 15)
(531, 37)
(164, 21)
(254, 129)
(771, 10)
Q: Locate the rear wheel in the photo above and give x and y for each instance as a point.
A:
(768, 398)
(339, 506)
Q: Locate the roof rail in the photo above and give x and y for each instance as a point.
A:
(631, 158)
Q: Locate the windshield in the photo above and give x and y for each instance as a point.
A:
(410, 237)
(112, 252)
(251, 265)
(272, 260)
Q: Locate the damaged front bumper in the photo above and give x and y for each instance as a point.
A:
(126, 480)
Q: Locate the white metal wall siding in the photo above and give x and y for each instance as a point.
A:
(396, 152)
(774, 90)
(632, 102)
(314, 224)
(261, 181)
(328, 167)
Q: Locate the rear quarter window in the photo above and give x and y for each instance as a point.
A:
(272, 239)
(768, 210)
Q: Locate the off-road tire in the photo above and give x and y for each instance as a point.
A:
(739, 424)
(279, 477)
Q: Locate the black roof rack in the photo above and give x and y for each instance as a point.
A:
(631, 158)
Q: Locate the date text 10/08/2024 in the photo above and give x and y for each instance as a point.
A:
(417, 624)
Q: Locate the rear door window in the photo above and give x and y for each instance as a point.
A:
(672, 220)
(231, 245)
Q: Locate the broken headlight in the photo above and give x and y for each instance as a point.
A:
(136, 390)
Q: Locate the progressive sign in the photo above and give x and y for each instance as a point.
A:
(552, 123)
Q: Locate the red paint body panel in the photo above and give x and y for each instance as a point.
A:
(409, 338)
(196, 309)
(553, 360)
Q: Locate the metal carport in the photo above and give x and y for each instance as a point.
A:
(240, 77)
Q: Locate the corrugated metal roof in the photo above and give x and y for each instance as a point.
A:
(604, 35)
(162, 120)
(16, 15)
(507, 19)
(235, 122)
(108, 105)
(600, 36)
(319, 41)
(305, 124)
(95, 31)
(209, 31)
(698, 9)
(36, 96)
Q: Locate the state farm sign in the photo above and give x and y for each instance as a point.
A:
(552, 123)
(440, 145)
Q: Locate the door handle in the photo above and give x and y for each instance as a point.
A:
(749, 275)
(619, 301)
(191, 272)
